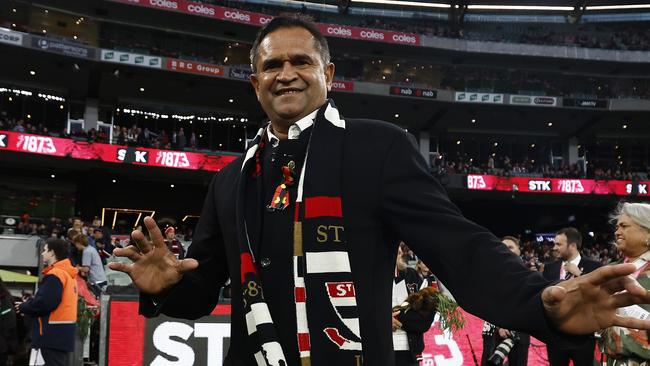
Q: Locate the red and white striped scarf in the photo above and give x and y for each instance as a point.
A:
(324, 293)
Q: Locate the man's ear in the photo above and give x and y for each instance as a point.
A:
(256, 85)
(329, 75)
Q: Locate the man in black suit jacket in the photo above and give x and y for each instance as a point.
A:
(388, 195)
(569, 264)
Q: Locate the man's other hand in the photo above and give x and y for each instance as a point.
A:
(154, 268)
(586, 304)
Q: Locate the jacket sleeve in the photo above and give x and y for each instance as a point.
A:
(476, 267)
(413, 322)
(197, 293)
(46, 299)
(8, 319)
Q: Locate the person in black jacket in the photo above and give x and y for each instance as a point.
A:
(365, 188)
(570, 264)
(408, 326)
(493, 335)
(8, 329)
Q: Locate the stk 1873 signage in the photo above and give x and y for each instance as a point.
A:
(60, 147)
(557, 185)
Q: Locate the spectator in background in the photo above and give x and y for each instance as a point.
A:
(493, 335)
(193, 140)
(91, 265)
(182, 140)
(8, 330)
(54, 305)
(103, 244)
(19, 126)
(568, 242)
(173, 244)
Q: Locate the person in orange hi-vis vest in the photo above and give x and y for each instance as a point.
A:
(54, 306)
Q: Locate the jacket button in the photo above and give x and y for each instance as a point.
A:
(265, 262)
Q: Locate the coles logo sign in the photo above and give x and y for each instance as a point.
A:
(165, 4)
(332, 30)
(201, 9)
(238, 16)
(339, 31)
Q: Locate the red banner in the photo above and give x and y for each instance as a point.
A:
(459, 348)
(258, 19)
(466, 346)
(339, 85)
(367, 34)
(60, 147)
(555, 185)
(192, 67)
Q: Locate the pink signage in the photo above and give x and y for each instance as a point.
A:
(60, 147)
(259, 19)
(556, 185)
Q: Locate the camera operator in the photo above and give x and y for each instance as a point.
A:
(499, 343)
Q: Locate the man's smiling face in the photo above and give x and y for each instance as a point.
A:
(291, 79)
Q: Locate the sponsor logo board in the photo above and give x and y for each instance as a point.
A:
(340, 85)
(11, 37)
(63, 48)
(486, 98)
(194, 67)
(131, 59)
(585, 103)
(241, 74)
(413, 92)
(533, 100)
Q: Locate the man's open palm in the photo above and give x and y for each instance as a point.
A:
(588, 303)
(154, 268)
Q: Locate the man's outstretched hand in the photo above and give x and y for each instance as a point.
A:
(588, 303)
(154, 268)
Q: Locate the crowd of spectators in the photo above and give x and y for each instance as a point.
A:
(411, 72)
(143, 137)
(598, 246)
(617, 36)
(61, 228)
(503, 165)
(176, 139)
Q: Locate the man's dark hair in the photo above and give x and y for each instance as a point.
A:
(291, 21)
(60, 247)
(573, 236)
(512, 239)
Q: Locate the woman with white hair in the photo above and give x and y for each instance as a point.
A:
(624, 346)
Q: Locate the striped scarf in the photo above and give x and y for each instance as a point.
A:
(324, 293)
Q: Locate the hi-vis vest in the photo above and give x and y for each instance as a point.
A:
(66, 312)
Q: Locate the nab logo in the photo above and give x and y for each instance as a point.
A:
(4, 141)
(539, 185)
(140, 156)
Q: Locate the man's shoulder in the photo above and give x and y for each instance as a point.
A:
(589, 264)
(552, 264)
(364, 125)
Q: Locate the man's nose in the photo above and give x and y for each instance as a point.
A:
(287, 73)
